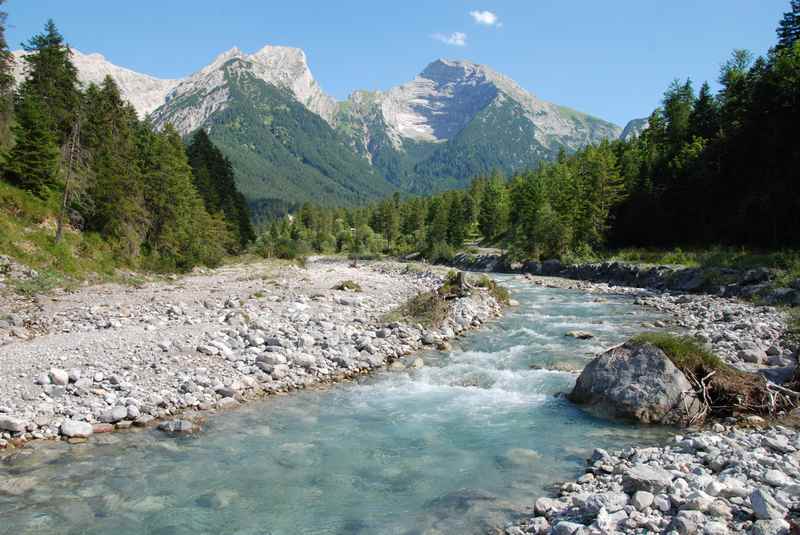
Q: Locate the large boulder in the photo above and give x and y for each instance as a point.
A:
(636, 381)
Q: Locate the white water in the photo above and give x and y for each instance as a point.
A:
(460, 446)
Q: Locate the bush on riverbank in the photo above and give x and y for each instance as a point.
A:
(723, 390)
(500, 293)
(429, 309)
(348, 286)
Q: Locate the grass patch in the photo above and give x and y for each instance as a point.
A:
(27, 234)
(429, 309)
(785, 262)
(348, 286)
(686, 352)
(500, 293)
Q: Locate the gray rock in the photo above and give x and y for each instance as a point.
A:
(566, 528)
(636, 381)
(642, 499)
(580, 335)
(765, 507)
(770, 527)
(114, 415)
(76, 429)
(59, 376)
(610, 501)
(14, 425)
(177, 426)
(227, 403)
(753, 356)
(647, 478)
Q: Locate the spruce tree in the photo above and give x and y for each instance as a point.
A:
(34, 160)
(6, 82)
(181, 233)
(216, 183)
(116, 193)
(789, 26)
(704, 119)
(52, 79)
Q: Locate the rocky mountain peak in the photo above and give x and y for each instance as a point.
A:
(281, 66)
(145, 93)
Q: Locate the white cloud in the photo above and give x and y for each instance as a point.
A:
(487, 18)
(453, 39)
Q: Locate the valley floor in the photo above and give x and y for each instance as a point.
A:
(111, 356)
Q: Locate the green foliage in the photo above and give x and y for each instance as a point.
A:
(52, 79)
(215, 181)
(429, 309)
(686, 352)
(500, 293)
(130, 191)
(281, 150)
(34, 160)
(348, 286)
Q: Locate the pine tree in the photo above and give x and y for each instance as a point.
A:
(789, 26)
(704, 119)
(116, 208)
(216, 182)
(494, 211)
(181, 233)
(34, 160)
(52, 79)
(6, 82)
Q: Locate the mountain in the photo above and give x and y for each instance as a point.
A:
(458, 119)
(634, 128)
(290, 142)
(145, 93)
(266, 113)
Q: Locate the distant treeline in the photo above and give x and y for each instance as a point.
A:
(708, 169)
(157, 203)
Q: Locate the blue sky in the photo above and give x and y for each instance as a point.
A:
(610, 58)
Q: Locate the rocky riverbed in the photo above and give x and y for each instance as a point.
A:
(748, 336)
(725, 480)
(730, 478)
(111, 357)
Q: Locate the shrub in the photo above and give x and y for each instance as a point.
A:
(348, 286)
(430, 309)
(500, 293)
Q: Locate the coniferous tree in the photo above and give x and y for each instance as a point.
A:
(6, 82)
(704, 119)
(34, 159)
(116, 190)
(215, 181)
(181, 233)
(52, 79)
(789, 26)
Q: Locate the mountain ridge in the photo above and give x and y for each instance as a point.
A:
(455, 120)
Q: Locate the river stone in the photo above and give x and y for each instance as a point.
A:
(765, 507)
(610, 501)
(16, 486)
(636, 381)
(776, 526)
(177, 426)
(648, 478)
(75, 429)
(642, 500)
(15, 425)
(114, 415)
(58, 376)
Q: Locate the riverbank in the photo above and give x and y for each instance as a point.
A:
(739, 476)
(110, 357)
(758, 284)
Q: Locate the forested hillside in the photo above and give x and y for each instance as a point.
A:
(708, 169)
(76, 160)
